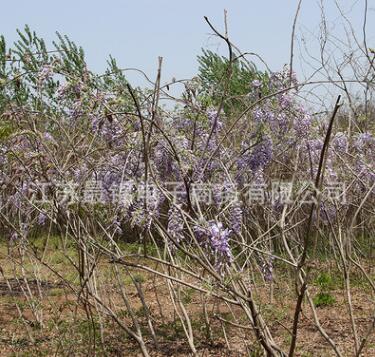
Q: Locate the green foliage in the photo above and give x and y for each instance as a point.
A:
(187, 295)
(324, 298)
(36, 78)
(73, 57)
(139, 278)
(3, 56)
(114, 75)
(324, 281)
(5, 131)
(214, 71)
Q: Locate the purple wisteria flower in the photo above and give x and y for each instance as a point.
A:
(42, 218)
(282, 123)
(200, 233)
(13, 236)
(213, 237)
(365, 141)
(219, 242)
(261, 155)
(285, 100)
(258, 177)
(116, 227)
(165, 162)
(235, 217)
(140, 217)
(162, 159)
(256, 83)
(314, 146)
(267, 269)
(283, 79)
(340, 142)
(256, 159)
(175, 224)
(327, 213)
(45, 73)
(264, 115)
(302, 125)
(47, 136)
(62, 90)
(214, 119)
(365, 171)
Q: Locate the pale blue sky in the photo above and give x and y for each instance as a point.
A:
(137, 32)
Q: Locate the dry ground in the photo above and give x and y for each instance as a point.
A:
(66, 331)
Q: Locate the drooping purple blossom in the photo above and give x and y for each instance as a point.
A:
(365, 141)
(139, 216)
(261, 155)
(200, 233)
(256, 83)
(285, 100)
(327, 213)
(42, 218)
(340, 142)
(264, 115)
(175, 224)
(47, 136)
(215, 239)
(116, 227)
(267, 269)
(302, 125)
(215, 120)
(314, 148)
(282, 123)
(257, 158)
(282, 79)
(235, 217)
(165, 163)
(223, 193)
(219, 241)
(365, 171)
(45, 73)
(62, 90)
